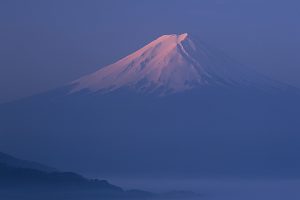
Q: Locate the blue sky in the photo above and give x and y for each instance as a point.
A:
(45, 44)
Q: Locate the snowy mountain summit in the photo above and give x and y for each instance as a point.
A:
(169, 64)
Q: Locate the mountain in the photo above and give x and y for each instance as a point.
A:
(176, 107)
(18, 182)
(171, 64)
(16, 172)
(16, 178)
(11, 161)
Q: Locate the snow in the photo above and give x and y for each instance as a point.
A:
(169, 64)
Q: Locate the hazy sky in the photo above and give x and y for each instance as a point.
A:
(44, 44)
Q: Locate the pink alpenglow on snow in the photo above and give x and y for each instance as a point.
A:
(169, 64)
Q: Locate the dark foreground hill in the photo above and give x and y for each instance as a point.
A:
(18, 163)
(17, 183)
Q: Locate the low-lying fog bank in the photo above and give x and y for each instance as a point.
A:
(221, 189)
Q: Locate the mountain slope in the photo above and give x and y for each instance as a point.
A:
(171, 64)
(17, 163)
(29, 183)
(17, 173)
(27, 177)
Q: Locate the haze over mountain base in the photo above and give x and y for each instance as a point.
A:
(210, 133)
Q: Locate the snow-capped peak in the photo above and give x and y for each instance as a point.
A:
(169, 64)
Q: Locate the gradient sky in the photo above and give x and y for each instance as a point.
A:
(45, 44)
